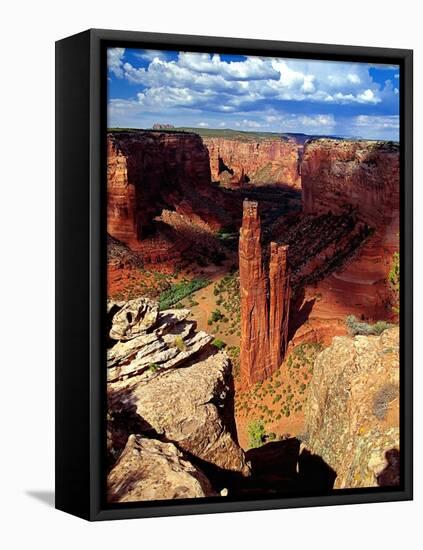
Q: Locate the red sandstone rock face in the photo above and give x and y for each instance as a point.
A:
(254, 347)
(280, 295)
(260, 161)
(150, 171)
(364, 174)
(264, 301)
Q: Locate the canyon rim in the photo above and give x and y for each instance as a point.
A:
(253, 218)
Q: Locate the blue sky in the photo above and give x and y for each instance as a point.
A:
(205, 90)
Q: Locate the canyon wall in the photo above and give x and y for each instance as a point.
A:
(264, 300)
(361, 178)
(151, 171)
(363, 174)
(257, 161)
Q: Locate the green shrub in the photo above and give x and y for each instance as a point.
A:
(219, 344)
(385, 395)
(179, 291)
(356, 327)
(394, 273)
(179, 343)
(216, 315)
(256, 433)
(153, 367)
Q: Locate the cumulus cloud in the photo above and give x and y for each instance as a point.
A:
(368, 96)
(248, 124)
(379, 122)
(115, 61)
(253, 79)
(271, 94)
(253, 68)
(150, 55)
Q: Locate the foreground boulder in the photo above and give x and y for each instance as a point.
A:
(132, 318)
(190, 406)
(171, 384)
(352, 413)
(151, 470)
(170, 342)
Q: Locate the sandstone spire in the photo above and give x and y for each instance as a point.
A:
(280, 295)
(264, 300)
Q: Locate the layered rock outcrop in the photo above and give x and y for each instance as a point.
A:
(165, 340)
(359, 178)
(167, 382)
(265, 296)
(148, 171)
(352, 412)
(362, 174)
(148, 469)
(257, 161)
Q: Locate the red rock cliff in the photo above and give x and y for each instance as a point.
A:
(151, 171)
(364, 174)
(338, 174)
(256, 161)
(264, 301)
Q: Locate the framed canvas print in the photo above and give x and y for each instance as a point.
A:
(234, 274)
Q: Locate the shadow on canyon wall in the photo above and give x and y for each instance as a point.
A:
(300, 311)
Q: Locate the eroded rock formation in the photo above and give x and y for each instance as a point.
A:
(352, 413)
(363, 174)
(359, 179)
(149, 171)
(256, 161)
(167, 382)
(265, 296)
(279, 299)
(148, 469)
(166, 339)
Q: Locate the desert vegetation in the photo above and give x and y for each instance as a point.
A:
(356, 327)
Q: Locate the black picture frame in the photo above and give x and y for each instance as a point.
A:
(81, 257)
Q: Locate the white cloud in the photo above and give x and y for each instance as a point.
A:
(368, 96)
(245, 123)
(317, 121)
(252, 68)
(203, 124)
(149, 55)
(115, 61)
(255, 79)
(353, 78)
(377, 122)
(166, 96)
